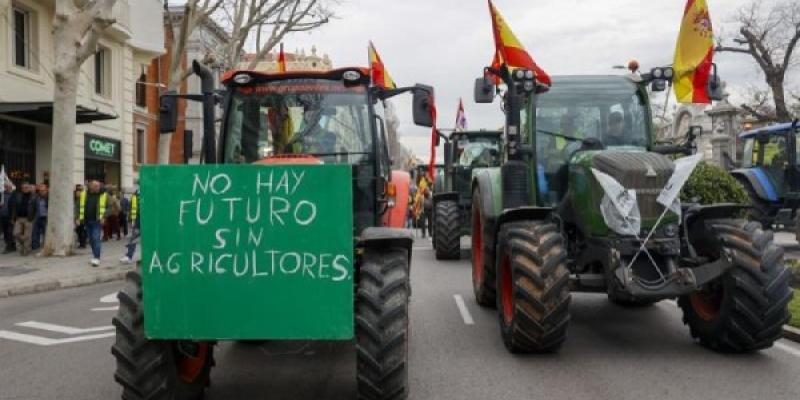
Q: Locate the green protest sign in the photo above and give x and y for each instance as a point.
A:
(247, 251)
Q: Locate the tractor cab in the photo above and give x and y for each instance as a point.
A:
(770, 172)
(330, 117)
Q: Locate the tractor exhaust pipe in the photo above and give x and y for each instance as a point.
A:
(209, 112)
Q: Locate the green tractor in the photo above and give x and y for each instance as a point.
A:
(464, 152)
(544, 224)
(321, 136)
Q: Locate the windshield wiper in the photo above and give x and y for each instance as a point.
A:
(561, 135)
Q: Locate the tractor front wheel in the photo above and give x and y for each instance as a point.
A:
(532, 287)
(382, 324)
(155, 369)
(745, 309)
(447, 231)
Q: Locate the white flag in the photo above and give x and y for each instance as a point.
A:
(683, 169)
(619, 207)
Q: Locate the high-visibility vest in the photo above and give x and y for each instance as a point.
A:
(101, 206)
(134, 207)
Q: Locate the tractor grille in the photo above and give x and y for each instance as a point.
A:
(631, 170)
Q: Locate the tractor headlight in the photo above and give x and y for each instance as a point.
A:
(671, 230)
(242, 79)
(658, 73)
(351, 76)
(528, 74)
(519, 74)
(668, 73)
(528, 86)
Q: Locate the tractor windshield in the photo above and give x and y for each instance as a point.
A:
(608, 109)
(477, 151)
(318, 117)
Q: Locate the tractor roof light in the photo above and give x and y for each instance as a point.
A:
(351, 76)
(658, 73)
(242, 79)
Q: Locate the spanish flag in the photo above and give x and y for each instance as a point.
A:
(510, 50)
(694, 54)
(380, 76)
(281, 60)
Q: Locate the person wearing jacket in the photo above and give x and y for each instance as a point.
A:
(92, 212)
(41, 203)
(6, 226)
(135, 231)
(22, 213)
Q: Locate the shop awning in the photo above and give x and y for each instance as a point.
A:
(42, 112)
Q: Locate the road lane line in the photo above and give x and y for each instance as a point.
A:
(43, 341)
(462, 308)
(112, 308)
(111, 298)
(62, 329)
(789, 349)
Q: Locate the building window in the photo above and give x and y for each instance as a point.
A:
(141, 151)
(22, 37)
(141, 90)
(102, 72)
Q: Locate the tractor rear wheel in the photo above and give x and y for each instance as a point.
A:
(759, 211)
(155, 369)
(382, 324)
(745, 309)
(483, 271)
(533, 287)
(447, 231)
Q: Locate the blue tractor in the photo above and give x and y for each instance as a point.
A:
(771, 175)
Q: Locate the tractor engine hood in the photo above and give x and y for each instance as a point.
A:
(646, 173)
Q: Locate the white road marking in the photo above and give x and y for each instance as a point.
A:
(789, 349)
(62, 329)
(462, 308)
(112, 308)
(110, 298)
(43, 341)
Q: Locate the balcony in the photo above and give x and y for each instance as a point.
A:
(122, 14)
(147, 35)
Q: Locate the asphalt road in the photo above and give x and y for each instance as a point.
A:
(456, 353)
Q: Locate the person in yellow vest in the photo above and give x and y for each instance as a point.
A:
(133, 215)
(92, 212)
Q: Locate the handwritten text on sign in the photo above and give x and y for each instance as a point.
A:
(273, 238)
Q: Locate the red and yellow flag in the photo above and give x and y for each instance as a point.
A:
(510, 50)
(694, 54)
(281, 60)
(380, 76)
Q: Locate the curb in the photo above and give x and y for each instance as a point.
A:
(63, 283)
(791, 333)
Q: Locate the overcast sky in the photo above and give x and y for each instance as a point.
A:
(446, 43)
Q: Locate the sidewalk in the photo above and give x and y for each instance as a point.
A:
(31, 274)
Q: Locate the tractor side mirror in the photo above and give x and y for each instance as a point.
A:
(423, 102)
(168, 112)
(188, 145)
(715, 91)
(695, 131)
(484, 90)
(448, 154)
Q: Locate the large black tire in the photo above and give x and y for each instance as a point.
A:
(382, 325)
(745, 309)
(447, 231)
(483, 257)
(760, 210)
(533, 287)
(155, 369)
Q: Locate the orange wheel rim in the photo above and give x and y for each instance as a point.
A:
(707, 305)
(190, 368)
(477, 248)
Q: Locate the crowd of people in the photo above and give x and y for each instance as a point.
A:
(102, 213)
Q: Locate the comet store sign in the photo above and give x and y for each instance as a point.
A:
(247, 251)
(100, 148)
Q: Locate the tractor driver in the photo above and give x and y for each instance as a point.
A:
(314, 138)
(615, 135)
